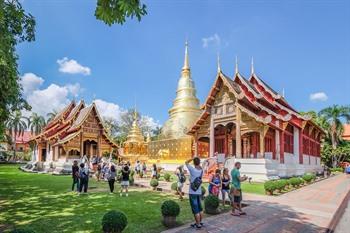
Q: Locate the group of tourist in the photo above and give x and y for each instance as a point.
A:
(105, 171)
(216, 183)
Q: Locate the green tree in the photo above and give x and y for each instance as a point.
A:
(51, 115)
(36, 123)
(117, 11)
(16, 125)
(333, 117)
(16, 26)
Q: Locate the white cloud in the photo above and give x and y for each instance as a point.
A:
(108, 109)
(318, 96)
(30, 82)
(213, 40)
(71, 66)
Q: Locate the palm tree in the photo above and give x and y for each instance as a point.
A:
(51, 115)
(334, 116)
(36, 123)
(16, 125)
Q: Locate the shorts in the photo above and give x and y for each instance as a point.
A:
(195, 202)
(225, 191)
(180, 185)
(234, 198)
(124, 183)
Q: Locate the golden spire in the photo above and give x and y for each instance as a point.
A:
(236, 67)
(252, 67)
(219, 67)
(186, 62)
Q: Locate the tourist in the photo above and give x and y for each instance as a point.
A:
(104, 170)
(215, 183)
(225, 185)
(195, 190)
(75, 175)
(138, 168)
(181, 178)
(98, 172)
(111, 178)
(144, 168)
(236, 191)
(125, 180)
(154, 171)
(84, 178)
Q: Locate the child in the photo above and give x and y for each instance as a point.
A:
(75, 175)
(154, 172)
(125, 180)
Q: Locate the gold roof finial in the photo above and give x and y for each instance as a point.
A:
(252, 67)
(186, 62)
(236, 67)
(219, 66)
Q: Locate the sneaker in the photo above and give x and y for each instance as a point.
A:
(195, 225)
(202, 224)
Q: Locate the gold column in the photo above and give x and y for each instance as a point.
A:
(238, 133)
(81, 145)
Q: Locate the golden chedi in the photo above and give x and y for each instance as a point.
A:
(135, 147)
(174, 145)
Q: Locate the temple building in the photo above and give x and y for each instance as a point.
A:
(247, 121)
(74, 132)
(135, 147)
(174, 145)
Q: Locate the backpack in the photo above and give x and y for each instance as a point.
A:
(197, 182)
(82, 174)
(182, 178)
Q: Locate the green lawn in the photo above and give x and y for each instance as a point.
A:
(44, 203)
(254, 187)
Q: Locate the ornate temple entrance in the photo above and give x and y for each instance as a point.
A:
(90, 148)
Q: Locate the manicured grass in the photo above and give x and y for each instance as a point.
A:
(44, 203)
(254, 187)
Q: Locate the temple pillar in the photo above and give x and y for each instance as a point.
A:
(212, 131)
(282, 147)
(238, 133)
(196, 145)
(296, 144)
(277, 144)
(226, 143)
(81, 145)
(262, 144)
(301, 158)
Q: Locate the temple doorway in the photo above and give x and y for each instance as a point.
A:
(90, 148)
(43, 155)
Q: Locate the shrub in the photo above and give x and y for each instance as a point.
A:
(170, 208)
(174, 186)
(270, 186)
(114, 222)
(154, 183)
(167, 177)
(211, 204)
(294, 181)
(301, 181)
(337, 169)
(308, 177)
(22, 231)
(281, 184)
(132, 173)
(203, 190)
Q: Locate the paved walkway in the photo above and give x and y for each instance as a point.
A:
(309, 209)
(344, 223)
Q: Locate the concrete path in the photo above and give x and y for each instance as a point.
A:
(344, 223)
(310, 209)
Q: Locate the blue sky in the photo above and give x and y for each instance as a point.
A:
(301, 46)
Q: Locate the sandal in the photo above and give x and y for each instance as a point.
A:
(194, 225)
(235, 214)
(242, 213)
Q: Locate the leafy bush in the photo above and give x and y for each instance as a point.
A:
(114, 222)
(211, 204)
(270, 186)
(132, 173)
(203, 190)
(154, 183)
(170, 208)
(281, 184)
(22, 231)
(295, 181)
(167, 177)
(337, 169)
(301, 181)
(174, 186)
(308, 177)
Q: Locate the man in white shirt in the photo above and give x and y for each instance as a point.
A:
(195, 191)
